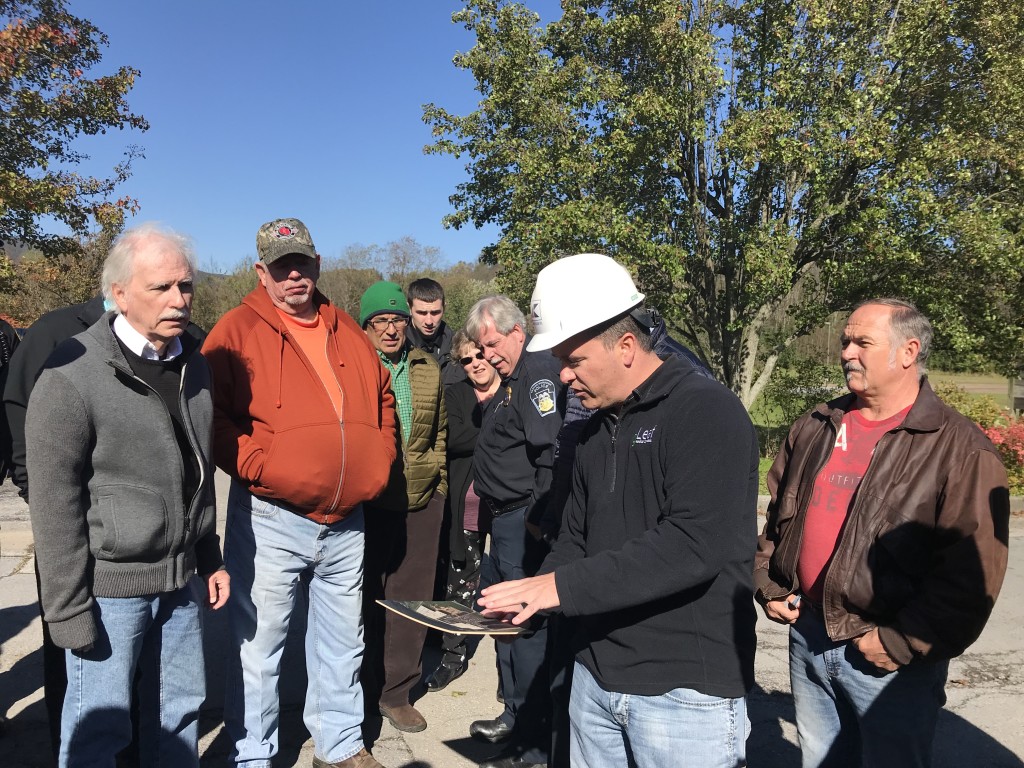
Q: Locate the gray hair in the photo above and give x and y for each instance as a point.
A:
(499, 310)
(120, 262)
(906, 322)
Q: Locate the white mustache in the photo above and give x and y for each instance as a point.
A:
(176, 314)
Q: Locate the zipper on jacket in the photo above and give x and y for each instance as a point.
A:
(801, 512)
(285, 335)
(616, 421)
(181, 459)
(195, 449)
(341, 425)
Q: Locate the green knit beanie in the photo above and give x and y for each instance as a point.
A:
(382, 297)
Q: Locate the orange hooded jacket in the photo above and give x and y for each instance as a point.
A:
(275, 428)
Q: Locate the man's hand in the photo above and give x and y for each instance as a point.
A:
(871, 646)
(523, 597)
(784, 611)
(218, 588)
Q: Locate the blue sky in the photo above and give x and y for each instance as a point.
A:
(263, 109)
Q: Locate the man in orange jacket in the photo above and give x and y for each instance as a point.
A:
(304, 422)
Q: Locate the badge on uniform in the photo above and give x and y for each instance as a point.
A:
(542, 393)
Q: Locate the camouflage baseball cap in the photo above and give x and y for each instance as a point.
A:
(281, 237)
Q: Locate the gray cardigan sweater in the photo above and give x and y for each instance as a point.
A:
(105, 469)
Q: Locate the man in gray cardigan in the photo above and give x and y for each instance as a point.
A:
(118, 438)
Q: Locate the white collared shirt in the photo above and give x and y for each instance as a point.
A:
(140, 345)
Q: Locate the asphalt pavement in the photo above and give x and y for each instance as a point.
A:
(982, 724)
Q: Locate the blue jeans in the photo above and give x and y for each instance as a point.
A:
(850, 713)
(162, 636)
(679, 728)
(267, 549)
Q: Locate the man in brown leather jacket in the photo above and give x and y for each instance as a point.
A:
(884, 550)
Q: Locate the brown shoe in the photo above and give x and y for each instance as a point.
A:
(361, 759)
(405, 718)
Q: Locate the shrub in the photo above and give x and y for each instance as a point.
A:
(1005, 430)
(1009, 441)
(981, 409)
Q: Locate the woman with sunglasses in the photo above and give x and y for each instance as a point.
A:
(465, 401)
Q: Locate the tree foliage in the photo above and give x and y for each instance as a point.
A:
(752, 161)
(344, 279)
(39, 283)
(46, 103)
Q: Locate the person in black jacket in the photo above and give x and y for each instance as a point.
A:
(40, 340)
(655, 554)
(512, 472)
(465, 400)
(428, 330)
(562, 635)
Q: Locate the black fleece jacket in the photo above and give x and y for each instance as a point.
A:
(657, 546)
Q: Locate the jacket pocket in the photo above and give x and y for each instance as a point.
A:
(302, 466)
(134, 524)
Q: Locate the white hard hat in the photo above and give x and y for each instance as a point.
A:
(577, 293)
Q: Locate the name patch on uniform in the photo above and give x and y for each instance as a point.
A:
(542, 393)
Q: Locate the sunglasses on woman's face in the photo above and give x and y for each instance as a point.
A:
(468, 360)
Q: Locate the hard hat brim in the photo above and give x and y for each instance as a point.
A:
(542, 341)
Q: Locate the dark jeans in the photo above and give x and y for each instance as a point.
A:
(563, 645)
(522, 663)
(401, 555)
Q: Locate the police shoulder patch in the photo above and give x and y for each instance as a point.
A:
(542, 393)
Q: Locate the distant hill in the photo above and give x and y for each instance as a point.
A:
(13, 250)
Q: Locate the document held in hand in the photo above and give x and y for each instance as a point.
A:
(449, 616)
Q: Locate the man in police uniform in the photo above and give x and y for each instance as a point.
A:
(513, 465)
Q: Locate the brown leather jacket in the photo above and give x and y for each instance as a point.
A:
(923, 550)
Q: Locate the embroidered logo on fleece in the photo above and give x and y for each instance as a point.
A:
(644, 436)
(542, 393)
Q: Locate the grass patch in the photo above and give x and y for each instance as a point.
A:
(762, 469)
(996, 387)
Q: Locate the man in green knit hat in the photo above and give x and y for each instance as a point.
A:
(403, 525)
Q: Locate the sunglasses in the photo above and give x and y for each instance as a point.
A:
(468, 360)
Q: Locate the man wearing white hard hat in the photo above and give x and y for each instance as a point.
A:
(655, 554)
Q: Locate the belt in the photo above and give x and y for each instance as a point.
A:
(498, 508)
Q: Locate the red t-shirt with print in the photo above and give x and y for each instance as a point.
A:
(833, 495)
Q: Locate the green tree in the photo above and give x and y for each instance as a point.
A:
(756, 160)
(46, 104)
(217, 292)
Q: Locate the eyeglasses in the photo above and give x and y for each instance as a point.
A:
(382, 323)
(468, 360)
